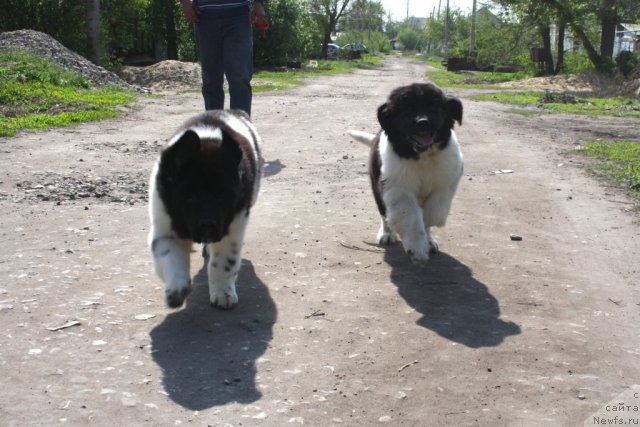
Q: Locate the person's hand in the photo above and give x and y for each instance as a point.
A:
(191, 11)
(258, 10)
(259, 18)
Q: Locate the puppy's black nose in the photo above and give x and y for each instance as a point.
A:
(422, 123)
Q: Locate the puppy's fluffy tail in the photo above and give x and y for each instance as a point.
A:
(363, 137)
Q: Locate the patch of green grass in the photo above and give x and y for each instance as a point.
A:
(467, 79)
(618, 161)
(264, 81)
(38, 94)
(615, 106)
(436, 63)
(473, 79)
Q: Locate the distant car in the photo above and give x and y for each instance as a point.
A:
(355, 47)
(332, 50)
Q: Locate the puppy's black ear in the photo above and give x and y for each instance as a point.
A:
(384, 111)
(454, 109)
(181, 152)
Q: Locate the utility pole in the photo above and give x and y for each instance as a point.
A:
(407, 9)
(93, 30)
(446, 31)
(472, 41)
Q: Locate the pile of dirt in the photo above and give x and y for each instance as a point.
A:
(590, 82)
(560, 83)
(163, 76)
(46, 46)
(171, 76)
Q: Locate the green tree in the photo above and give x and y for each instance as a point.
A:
(164, 16)
(364, 23)
(580, 16)
(458, 27)
(327, 14)
(364, 15)
(292, 35)
(123, 23)
(501, 41)
(64, 20)
(409, 39)
(391, 28)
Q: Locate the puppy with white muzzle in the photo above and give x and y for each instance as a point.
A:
(201, 191)
(415, 165)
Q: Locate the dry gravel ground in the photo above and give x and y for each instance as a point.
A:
(331, 329)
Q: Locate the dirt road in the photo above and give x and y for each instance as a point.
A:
(330, 329)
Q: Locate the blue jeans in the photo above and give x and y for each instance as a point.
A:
(225, 48)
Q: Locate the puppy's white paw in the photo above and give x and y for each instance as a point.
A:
(386, 237)
(433, 245)
(225, 298)
(177, 292)
(418, 251)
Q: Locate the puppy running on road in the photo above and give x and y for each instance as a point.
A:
(415, 165)
(201, 190)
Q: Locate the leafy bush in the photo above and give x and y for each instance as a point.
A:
(576, 62)
(292, 34)
(410, 39)
(627, 62)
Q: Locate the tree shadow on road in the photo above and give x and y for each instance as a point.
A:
(208, 356)
(452, 302)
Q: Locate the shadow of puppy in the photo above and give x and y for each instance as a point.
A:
(208, 356)
(452, 302)
(272, 168)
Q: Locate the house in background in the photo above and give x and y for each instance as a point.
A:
(627, 38)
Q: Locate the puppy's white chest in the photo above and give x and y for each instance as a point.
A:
(430, 173)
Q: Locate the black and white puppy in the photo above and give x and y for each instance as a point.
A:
(415, 164)
(201, 190)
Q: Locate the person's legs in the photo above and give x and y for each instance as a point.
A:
(238, 60)
(210, 43)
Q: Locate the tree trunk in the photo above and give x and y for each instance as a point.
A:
(93, 30)
(545, 32)
(560, 62)
(609, 23)
(172, 37)
(593, 55)
(566, 15)
(325, 43)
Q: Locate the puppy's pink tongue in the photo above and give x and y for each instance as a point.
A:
(424, 141)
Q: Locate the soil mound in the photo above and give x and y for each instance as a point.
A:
(166, 75)
(559, 83)
(44, 45)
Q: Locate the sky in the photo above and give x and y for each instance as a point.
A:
(422, 8)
